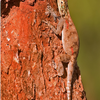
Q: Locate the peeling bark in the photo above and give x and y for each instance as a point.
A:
(28, 50)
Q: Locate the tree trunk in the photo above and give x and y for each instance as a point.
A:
(28, 50)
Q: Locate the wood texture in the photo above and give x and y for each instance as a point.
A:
(28, 50)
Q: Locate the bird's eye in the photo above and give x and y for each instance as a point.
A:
(61, 2)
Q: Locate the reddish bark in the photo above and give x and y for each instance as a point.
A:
(28, 51)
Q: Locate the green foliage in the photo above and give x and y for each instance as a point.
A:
(86, 17)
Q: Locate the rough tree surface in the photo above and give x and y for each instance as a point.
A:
(28, 50)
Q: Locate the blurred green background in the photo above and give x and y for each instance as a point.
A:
(86, 17)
